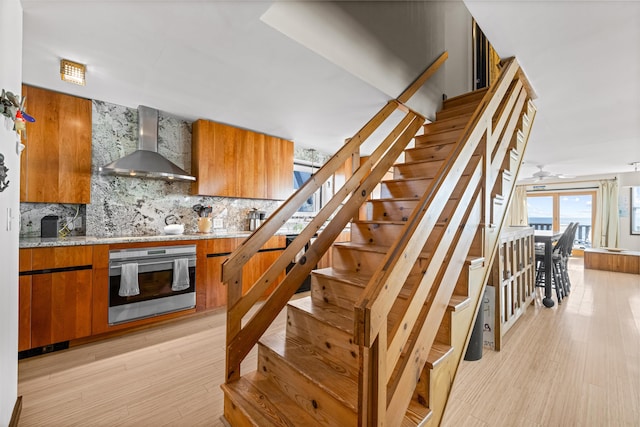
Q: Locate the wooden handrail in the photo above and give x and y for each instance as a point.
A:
(241, 339)
(256, 292)
(371, 302)
(488, 134)
(250, 247)
(421, 80)
(237, 347)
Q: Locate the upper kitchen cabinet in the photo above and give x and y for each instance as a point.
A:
(56, 163)
(232, 162)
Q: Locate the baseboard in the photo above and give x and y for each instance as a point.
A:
(17, 410)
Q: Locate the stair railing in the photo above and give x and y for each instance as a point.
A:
(243, 334)
(393, 353)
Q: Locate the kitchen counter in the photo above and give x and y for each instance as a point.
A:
(37, 242)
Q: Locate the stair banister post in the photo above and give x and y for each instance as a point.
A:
(234, 326)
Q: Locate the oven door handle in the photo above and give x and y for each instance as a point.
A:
(142, 264)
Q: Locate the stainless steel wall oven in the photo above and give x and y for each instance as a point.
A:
(145, 282)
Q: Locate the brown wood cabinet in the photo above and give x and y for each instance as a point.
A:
(55, 295)
(218, 252)
(622, 261)
(56, 163)
(233, 162)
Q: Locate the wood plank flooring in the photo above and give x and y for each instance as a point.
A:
(577, 364)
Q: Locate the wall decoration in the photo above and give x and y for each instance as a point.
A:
(4, 183)
(12, 107)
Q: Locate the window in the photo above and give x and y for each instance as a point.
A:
(635, 210)
(556, 210)
(301, 174)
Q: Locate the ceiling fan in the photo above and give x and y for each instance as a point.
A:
(542, 174)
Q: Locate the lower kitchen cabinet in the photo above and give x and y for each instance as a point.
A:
(24, 313)
(55, 295)
(60, 307)
(218, 252)
(261, 262)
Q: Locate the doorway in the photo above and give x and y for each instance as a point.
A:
(556, 210)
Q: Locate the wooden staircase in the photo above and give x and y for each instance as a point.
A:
(379, 338)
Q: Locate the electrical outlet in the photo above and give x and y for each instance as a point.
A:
(217, 223)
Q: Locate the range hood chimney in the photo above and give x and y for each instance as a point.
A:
(145, 162)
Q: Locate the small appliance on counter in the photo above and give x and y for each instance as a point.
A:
(256, 218)
(49, 226)
(204, 218)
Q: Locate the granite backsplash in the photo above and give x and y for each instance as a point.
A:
(128, 206)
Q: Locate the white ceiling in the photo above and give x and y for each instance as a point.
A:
(218, 60)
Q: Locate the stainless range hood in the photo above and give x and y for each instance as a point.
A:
(145, 162)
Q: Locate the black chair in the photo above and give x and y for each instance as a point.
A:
(559, 274)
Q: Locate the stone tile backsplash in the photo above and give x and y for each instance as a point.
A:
(127, 206)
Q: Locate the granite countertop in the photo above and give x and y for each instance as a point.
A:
(38, 242)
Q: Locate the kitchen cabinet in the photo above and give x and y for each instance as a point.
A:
(261, 262)
(56, 163)
(24, 313)
(232, 162)
(55, 295)
(218, 252)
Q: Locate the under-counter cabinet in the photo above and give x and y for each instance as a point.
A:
(219, 250)
(233, 162)
(56, 163)
(55, 295)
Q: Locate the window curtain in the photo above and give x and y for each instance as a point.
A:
(605, 232)
(518, 212)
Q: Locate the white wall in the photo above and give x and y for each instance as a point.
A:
(10, 79)
(459, 43)
(627, 240)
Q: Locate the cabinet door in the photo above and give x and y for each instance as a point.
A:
(233, 162)
(60, 307)
(24, 313)
(261, 262)
(279, 168)
(218, 253)
(56, 163)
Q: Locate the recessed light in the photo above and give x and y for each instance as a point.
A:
(72, 72)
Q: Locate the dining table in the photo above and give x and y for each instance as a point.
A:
(548, 237)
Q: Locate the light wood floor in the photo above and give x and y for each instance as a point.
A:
(577, 364)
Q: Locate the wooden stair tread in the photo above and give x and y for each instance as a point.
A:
(399, 180)
(361, 280)
(394, 199)
(458, 302)
(416, 162)
(438, 353)
(330, 375)
(416, 415)
(456, 110)
(403, 199)
(379, 221)
(330, 314)
(473, 96)
(358, 279)
(440, 132)
(265, 404)
(365, 247)
(447, 123)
